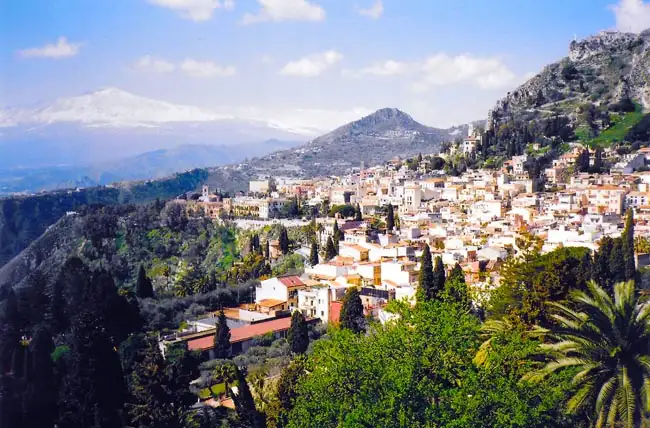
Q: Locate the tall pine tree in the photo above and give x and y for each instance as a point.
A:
(222, 337)
(330, 249)
(438, 278)
(352, 311)
(298, 334)
(93, 388)
(143, 287)
(358, 216)
(283, 241)
(628, 246)
(456, 288)
(617, 262)
(390, 218)
(426, 282)
(247, 414)
(602, 274)
(39, 399)
(313, 254)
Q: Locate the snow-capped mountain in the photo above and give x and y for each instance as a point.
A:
(110, 126)
(112, 107)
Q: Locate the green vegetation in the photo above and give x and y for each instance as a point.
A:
(606, 339)
(621, 124)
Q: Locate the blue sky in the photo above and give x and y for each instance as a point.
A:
(322, 61)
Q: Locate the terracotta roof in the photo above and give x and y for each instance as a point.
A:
(241, 334)
(269, 303)
(291, 281)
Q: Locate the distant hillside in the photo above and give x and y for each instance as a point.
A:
(150, 165)
(24, 218)
(373, 139)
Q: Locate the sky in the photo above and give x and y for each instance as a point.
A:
(316, 63)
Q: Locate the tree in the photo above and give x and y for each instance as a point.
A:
(222, 337)
(160, 394)
(598, 160)
(330, 249)
(267, 251)
(337, 234)
(298, 334)
(456, 288)
(247, 414)
(283, 241)
(358, 216)
(628, 246)
(583, 161)
(390, 218)
(9, 328)
(313, 254)
(352, 312)
(617, 262)
(93, 388)
(287, 388)
(438, 278)
(602, 274)
(143, 287)
(606, 340)
(426, 281)
(39, 400)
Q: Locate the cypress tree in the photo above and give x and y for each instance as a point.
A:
(143, 287)
(617, 262)
(425, 278)
(298, 334)
(438, 278)
(247, 413)
(358, 216)
(456, 288)
(585, 271)
(628, 246)
(390, 218)
(352, 312)
(9, 328)
(93, 388)
(602, 274)
(222, 337)
(284, 241)
(337, 234)
(267, 251)
(313, 254)
(330, 250)
(39, 400)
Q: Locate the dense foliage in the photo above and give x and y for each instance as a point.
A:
(25, 218)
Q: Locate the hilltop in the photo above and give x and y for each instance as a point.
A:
(373, 139)
(603, 79)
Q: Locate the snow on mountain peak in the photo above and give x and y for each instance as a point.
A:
(112, 107)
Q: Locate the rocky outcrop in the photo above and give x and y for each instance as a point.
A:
(600, 69)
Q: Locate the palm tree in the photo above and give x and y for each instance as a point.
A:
(607, 341)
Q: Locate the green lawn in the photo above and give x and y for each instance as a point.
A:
(615, 133)
(217, 389)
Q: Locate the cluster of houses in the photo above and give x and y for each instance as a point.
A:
(473, 220)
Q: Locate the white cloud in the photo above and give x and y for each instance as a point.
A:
(196, 10)
(442, 69)
(312, 65)
(386, 68)
(632, 15)
(158, 65)
(61, 49)
(194, 68)
(375, 11)
(285, 10)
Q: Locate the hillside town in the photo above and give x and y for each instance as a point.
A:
(384, 216)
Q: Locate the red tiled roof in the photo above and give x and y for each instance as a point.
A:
(240, 334)
(291, 281)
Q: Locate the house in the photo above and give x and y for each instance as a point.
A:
(271, 292)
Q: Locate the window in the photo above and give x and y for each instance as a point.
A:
(322, 313)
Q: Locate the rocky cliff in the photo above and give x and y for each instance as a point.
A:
(601, 69)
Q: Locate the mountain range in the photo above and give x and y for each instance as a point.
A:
(112, 135)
